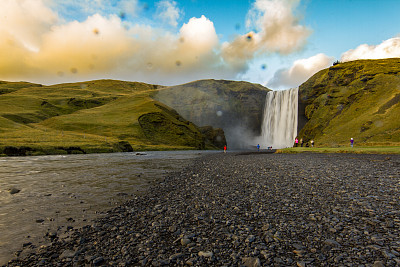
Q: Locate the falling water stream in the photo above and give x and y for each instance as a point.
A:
(279, 127)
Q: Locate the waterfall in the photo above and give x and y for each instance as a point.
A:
(279, 126)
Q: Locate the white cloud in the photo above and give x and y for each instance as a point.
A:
(24, 21)
(41, 45)
(387, 49)
(278, 26)
(300, 71)
(101, 47)
(169, 12)
(129, 7)
(278, 30)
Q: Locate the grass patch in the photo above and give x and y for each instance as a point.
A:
(359, 99)
(354, 150)
(89, 117)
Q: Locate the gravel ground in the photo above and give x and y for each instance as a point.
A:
(247, 210)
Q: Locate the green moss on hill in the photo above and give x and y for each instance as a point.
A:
(94, 116)
(358, 99)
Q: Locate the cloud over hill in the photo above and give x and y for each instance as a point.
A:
(39, 45)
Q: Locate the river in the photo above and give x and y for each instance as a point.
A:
(62, 192)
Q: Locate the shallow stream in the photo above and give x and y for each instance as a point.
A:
(64, 191)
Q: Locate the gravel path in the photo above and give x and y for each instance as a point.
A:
(248, 210)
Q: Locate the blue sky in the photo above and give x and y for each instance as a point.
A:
(277, 43)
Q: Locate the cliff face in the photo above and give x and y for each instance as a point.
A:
(236, 107)
(358, 99)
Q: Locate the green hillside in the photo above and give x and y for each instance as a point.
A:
(358, 99)
(94, 116)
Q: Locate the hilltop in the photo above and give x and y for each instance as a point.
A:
(235, 106)
(358, 99)
(93, 116)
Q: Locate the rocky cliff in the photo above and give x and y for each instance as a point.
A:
(236, 107)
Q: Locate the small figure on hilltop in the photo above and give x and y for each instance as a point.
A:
(258, 147)
(312, 143)
(224, 148)
(351, 142)
(296, 142)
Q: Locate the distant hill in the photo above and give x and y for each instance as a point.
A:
(235, 106)
(94, 116)
(358, 99)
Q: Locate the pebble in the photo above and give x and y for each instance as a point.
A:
(14, 190)
(246, 210)
(251, 262)
(185, 241)
(206, 254)
(332, 243)
(378, 264)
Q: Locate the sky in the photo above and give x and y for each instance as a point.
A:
(276, 43)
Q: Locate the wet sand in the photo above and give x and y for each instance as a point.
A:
(247, 210)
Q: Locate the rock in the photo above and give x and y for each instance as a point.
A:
(388, 255)
(185, 241)
(190, 262)
(206, 254)
(378, 264)
(161, 262)
(338, 259)
(172, 228)
(51, 234)
(98, 260)
(26, 244)
(176, 256)
(251, 262)
(299, 253)
(298, 246)
(250, 238)
(14, 190)
(332, 243)
(67, 254)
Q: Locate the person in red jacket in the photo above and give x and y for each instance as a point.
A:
(224, 148)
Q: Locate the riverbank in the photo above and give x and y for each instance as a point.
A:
(256, 210)
(344, 149)
(54, 193)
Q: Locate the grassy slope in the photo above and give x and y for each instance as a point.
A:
(344, 149)
(93, 116)
(358, 99)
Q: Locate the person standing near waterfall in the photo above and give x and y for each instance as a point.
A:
(296, 142)
(351, 142)
(224, 148)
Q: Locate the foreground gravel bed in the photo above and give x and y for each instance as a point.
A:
(247, 210)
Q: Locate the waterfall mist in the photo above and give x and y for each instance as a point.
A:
(279, 126)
